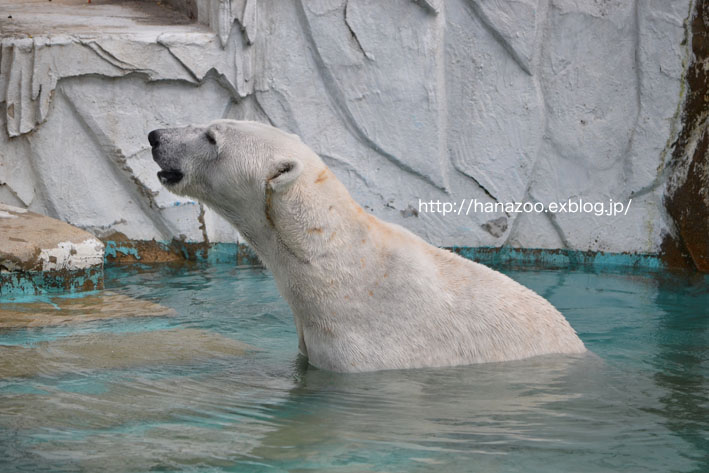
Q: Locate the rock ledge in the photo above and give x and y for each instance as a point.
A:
(40, 254)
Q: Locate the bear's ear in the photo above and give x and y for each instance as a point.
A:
(211, 135)
(284, 173)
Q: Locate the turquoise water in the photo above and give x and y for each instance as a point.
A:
(640, 405)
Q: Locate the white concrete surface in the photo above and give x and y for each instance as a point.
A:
(496, 100)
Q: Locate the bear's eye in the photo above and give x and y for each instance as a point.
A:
(210, 138)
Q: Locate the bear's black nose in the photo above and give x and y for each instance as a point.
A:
(154, 138)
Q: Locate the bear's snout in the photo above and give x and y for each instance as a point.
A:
(169, 173)
(154, 138)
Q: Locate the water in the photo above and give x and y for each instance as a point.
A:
(640, 405)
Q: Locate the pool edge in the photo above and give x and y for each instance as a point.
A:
(153, 251)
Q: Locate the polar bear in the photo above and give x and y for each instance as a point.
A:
(366, 294)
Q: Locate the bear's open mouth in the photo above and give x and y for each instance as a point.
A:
(170, 177)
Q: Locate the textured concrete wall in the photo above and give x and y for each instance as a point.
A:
(499, 101)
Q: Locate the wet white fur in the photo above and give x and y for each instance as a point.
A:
(366, 294)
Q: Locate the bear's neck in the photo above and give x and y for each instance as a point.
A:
(313, 220)
(310, 222)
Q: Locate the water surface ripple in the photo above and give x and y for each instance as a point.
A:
(194, 400)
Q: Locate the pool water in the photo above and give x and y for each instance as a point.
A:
(641, 404)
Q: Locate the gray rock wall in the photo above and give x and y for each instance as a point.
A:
(406, 101)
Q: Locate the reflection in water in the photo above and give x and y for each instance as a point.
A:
(93, 351)
(76, 308)
(638, 404)
(682, 363)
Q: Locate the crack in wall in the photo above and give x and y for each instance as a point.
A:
(557, 228)
(353, 34)
(187, 68)
(430, 6)
(110, 58)
(341, 162)
(442, 95)
(541, 38)
(12, 192)
(340, 104)
(627, 161)
(475, 10)
(249, 21)
(262, 110)
(477, 183)
(675, 124)
(147, 204)
(40, 188)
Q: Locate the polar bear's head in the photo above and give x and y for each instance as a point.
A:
(228, 162)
